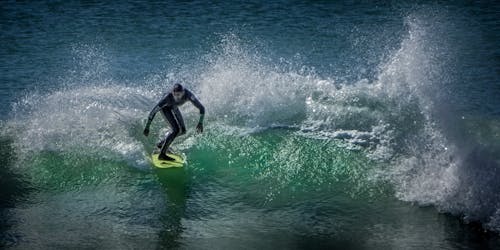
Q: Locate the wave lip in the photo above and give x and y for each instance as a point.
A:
(436, 165)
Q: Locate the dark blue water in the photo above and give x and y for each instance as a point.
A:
(348, 125)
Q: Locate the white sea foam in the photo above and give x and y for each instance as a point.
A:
(92, 119)
(398, 118)
(436, 168)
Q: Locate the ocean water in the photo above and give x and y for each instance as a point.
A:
(330, 125)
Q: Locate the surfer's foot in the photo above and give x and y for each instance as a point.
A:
(163, 157)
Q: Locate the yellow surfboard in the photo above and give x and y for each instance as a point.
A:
(179, 161)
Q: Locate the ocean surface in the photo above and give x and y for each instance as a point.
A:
(330, 124)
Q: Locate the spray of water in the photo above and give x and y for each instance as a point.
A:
(397, 119)
(436, 168)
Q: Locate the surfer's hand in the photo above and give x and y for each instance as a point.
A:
(199, 127)
(146, 131)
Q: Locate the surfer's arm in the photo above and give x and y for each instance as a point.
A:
(201, 108)
(153, 112)
(198, 105)
(150, 119)
(162, 103)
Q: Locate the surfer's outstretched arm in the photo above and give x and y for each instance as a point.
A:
(152, 114)
(200, 107)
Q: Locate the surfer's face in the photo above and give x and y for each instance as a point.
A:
(178, 95)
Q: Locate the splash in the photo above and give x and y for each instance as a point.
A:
(400, 119)
(93, 120)
(436, 167)
(237, 85)
(243, 88)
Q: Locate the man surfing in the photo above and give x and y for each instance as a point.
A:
(169, 108)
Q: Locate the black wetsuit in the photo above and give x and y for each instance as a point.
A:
(169, 109)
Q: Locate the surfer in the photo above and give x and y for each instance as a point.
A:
(169, 108)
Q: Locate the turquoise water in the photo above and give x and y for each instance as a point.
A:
(329, 125)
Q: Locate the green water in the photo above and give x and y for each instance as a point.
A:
(268, 189)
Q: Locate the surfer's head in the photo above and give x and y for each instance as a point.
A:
(178, 91)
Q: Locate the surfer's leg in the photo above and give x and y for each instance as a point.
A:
(180, 120)
(160, 144)
(174, 124)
